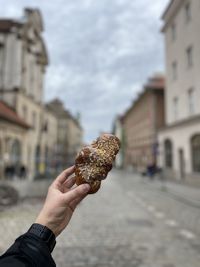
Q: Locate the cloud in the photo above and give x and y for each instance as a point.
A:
(101, 52)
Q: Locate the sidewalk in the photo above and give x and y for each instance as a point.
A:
(182, 192)
(27, 188)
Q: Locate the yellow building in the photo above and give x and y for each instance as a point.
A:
(13, 132)
(70, 134)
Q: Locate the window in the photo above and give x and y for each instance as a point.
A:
(16, 150)
(191, 101)
(31, 78)
(37, 158)
(188, 14)
(47, 157)
(34, 120)
(168, 153)
(174, 70)
(173, 31)
(1, 64)
(189, 56)
(195, 147)
(175, 107)
(29, 149)
(46, 126)
(24, 111)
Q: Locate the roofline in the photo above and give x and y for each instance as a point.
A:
(65, 111)
(146, 89)
(10, 24)
(175, 6)
(13, 21)
(167, 9)
(21, 125)
(28, 10)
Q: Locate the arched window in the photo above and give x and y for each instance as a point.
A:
(1, 152)
(168, 153)
(16, 152)
(195, 146)
(37, 157)
(47, 157)
(1, 159)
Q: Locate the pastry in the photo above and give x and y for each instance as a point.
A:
(93, 162)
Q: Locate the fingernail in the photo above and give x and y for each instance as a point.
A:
(86, 188)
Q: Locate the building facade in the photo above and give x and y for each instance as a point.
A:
(179, 141)
(118, 131)
(47, 147)
(141, 123)
(23, 61)
(13, 132)
(70, 134)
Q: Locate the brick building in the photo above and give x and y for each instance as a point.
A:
(141, 123)
(118, 130)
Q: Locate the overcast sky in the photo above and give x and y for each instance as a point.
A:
(101, 53)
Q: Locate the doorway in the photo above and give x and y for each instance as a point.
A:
(1, 160)
(181, 164)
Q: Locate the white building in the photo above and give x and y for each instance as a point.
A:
(179, 141)
(23, 61)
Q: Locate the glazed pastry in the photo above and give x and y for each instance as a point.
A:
(93, 162)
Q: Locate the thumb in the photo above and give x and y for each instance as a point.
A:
(77, 192)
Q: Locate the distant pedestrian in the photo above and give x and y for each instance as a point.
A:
(22, 173)
(151, 170)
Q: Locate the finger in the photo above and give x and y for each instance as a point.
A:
(75, 202)
(64, 175)
(77, 192)
(69, 183)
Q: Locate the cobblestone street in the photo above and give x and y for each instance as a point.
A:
(129, 222)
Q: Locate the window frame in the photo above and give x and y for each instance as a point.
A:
(190, 56)
(173, 31)
(174, 70)
(191, 101)
(195, 153)
(34, 120)
(175, 107)
(168, 153)
(188, 12)
(25, 113)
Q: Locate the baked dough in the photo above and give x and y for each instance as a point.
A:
(93, 162)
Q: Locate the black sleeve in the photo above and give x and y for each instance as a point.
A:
(27, 251)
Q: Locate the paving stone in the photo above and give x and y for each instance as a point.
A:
(113, 228)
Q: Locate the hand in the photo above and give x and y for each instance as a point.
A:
(61, 202)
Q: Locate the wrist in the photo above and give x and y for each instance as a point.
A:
(46, 223)
(44, 233)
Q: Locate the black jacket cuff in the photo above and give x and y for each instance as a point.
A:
(28, 249)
